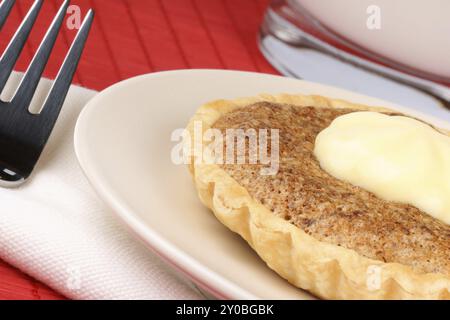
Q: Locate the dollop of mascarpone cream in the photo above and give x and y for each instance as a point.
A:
(395, 157)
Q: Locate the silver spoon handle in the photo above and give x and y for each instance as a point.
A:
(297, 37)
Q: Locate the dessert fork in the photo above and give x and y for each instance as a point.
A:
(23, 135)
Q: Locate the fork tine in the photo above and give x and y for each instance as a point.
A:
(10, 56)
(28, 85)
(58, 92)
(5, 9)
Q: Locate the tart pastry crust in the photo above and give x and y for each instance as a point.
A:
(326, 270)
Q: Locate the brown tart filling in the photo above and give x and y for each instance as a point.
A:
(329, 209)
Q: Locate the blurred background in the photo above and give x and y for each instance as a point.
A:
(132, 37)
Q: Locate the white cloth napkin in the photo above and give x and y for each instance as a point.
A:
(56, 229)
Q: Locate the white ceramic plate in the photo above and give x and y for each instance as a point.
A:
(122, 140)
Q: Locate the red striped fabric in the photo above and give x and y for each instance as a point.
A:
(132, 37)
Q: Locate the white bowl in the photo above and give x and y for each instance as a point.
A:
(414, 32)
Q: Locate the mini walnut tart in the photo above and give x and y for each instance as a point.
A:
(324, 235)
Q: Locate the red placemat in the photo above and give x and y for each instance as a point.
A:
(132, 37)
